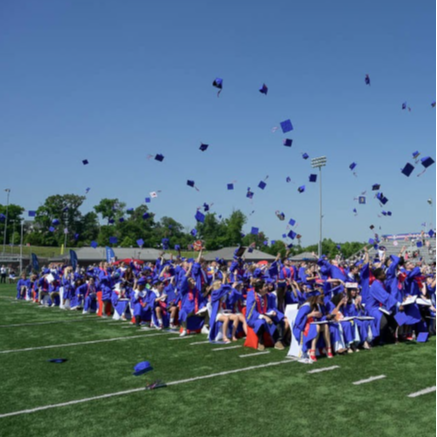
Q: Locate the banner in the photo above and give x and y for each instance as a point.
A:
(35, 263)
(110, 255)
(73, 259)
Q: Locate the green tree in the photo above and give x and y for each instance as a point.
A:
(13, 225)
(110, 209)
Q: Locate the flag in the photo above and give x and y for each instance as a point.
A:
(110, 255)
(73, 259)
(62, 249)
(35, 263)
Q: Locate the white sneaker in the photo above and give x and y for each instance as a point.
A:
(205, 330)
(173, 327)
(53, 305)
(183, 333)
(85, 312)
(104, 316)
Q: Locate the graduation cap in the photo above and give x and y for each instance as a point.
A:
(384, 213)
(284, 235)
(389, 213)
(2, 218)
(218, 83)
(31, 213)
(140, 242)
(313, 178)
(55, 222)
(203, 147)
(147, 199)
(94, 244)
(353, 165)
(239, 252)
(382, 198)
(280, 215)
(376, 187)
(177, 247)
(85, 162)
(305, 155)
(288, 179)
(287, 142)
(292, 235)
(433, 104)
(416, 154)
(199, 217)
(291, 222)
(87, 190)
(404, 105)
(262, 185)
(113, 240)
(52, 229)
(190, 183)
(205, 207)
(164, 243)
(431, 233)
(159, 157)
(142, 368)
(301, 189)
(121, 219)
(230, 186)
(362, 200)
(355, 211)
(263, 89)
(401, 318)
(408, 169)
(254, 231)
(371, 241)
(286, 126)
(422, 337)
(367, 79)
(57, 360)
(372, 227)
(427, 161)
(419, 244)
(249, 194)
(193, 232)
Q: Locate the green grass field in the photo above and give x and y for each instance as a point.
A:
(276, 400)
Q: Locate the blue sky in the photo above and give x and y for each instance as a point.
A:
(114, 82)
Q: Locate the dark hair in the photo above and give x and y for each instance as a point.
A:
(377, 272)
(259, 284)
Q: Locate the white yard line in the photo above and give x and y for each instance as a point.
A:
(199, 342)
(179, 338)
(125, 392)
(422, 392)
(55, 346)
(253, 355)
(323, 369)
(225, 348)
(365, 381)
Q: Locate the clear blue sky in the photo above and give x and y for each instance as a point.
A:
(114, 81)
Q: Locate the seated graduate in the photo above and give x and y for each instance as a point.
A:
(138, 299)
(33, 285)
(120, 295)
(23, 287)
(67, 289)
(78, 294)
(192, 299)
(90, 295)
(158, 302)
(43, 288)
(263, 316)
(308, 333)
(219, 311)
(171, 299)
(382, 306)
(235, 303)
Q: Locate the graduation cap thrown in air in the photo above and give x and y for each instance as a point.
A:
(159, 157)
(230, 186)
(203, 147)
(140, 242)
(301, 189)
(286, 126)
(292, 235)
(32, 213)
(93, 244)
(264, 89)
(142, 368)
(287, 142)
(305, 155)
(408, 169)
(113, 240)
(291, 222)
(367, 79)
(427, 161)
(85, 162)
(254, 231)
(353, 165)
(313, 178)
(190, 183)
(376, 187)
(199, 217)
(362, 200)
(262, 185)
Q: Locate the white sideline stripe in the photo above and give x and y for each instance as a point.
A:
(253, 355)
(225, 348)
(373, 378)
(134, 390)
(323, 369)
(54, 346)
(179, 338)
(422, 392)
(45, 323)
(199, 342)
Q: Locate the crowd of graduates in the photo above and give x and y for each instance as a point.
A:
(338, 306)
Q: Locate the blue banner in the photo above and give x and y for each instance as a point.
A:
(110, 255)
(35, 263)
(73, 259)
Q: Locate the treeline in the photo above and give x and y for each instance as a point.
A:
(59, 219)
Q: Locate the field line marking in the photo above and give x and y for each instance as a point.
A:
(48, 322)
(252, 355)
(422, 392)
(199, 342)
(179, 338)
(373, 378)
(134, 390)
(225, 348)
(54, 346)
(323, 369)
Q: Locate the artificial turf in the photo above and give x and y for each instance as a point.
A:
(280, 400)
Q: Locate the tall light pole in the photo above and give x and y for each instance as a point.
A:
(319, 163)
(8, 190)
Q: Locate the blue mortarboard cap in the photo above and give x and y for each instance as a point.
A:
(140, 242)
(382, 198)
(85, 162)
(404, 105)
(301, 189)
(111, 221)
(113, 240)
(164, 243)
(142, 281)
(203, 147)
(146, 215)
(199, 217)
(288, 179)
(433, 104)
(289, 246)
(408, 169)
(218, 83)
(254, 231)
(376, 187)
(121, 219)
(389, 213)
(284, 235)
(76, 236)
(250, 249)
(305, 155)
(416, 154)
(313, 178)
(272, 242)
(32, 213)
(249, 194)
(353, 165)
(292, 235)
(262, 185)
(177, 247)
(264, 89)
(147, 199)
(288, 142)
(422, 337)
(431, 233)
(401, 318)
(57, 360)
(93, 244)
(338, 246)
(266, 243)
(292, 222)
(419, 244)
(159, 157)
(355, 210)
(193, 232)
(367, 79)
(190, 183)
(230, 186)
(361, 200)
(286, 126)
(142, 368)
(55, 222)
(427, 161)
(205, 207)
(51, 229)
(130, 210)
(371, 241)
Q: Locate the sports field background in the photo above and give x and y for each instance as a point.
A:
(277, 400)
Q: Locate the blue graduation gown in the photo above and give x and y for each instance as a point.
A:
(216, 300)
(253, 312)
